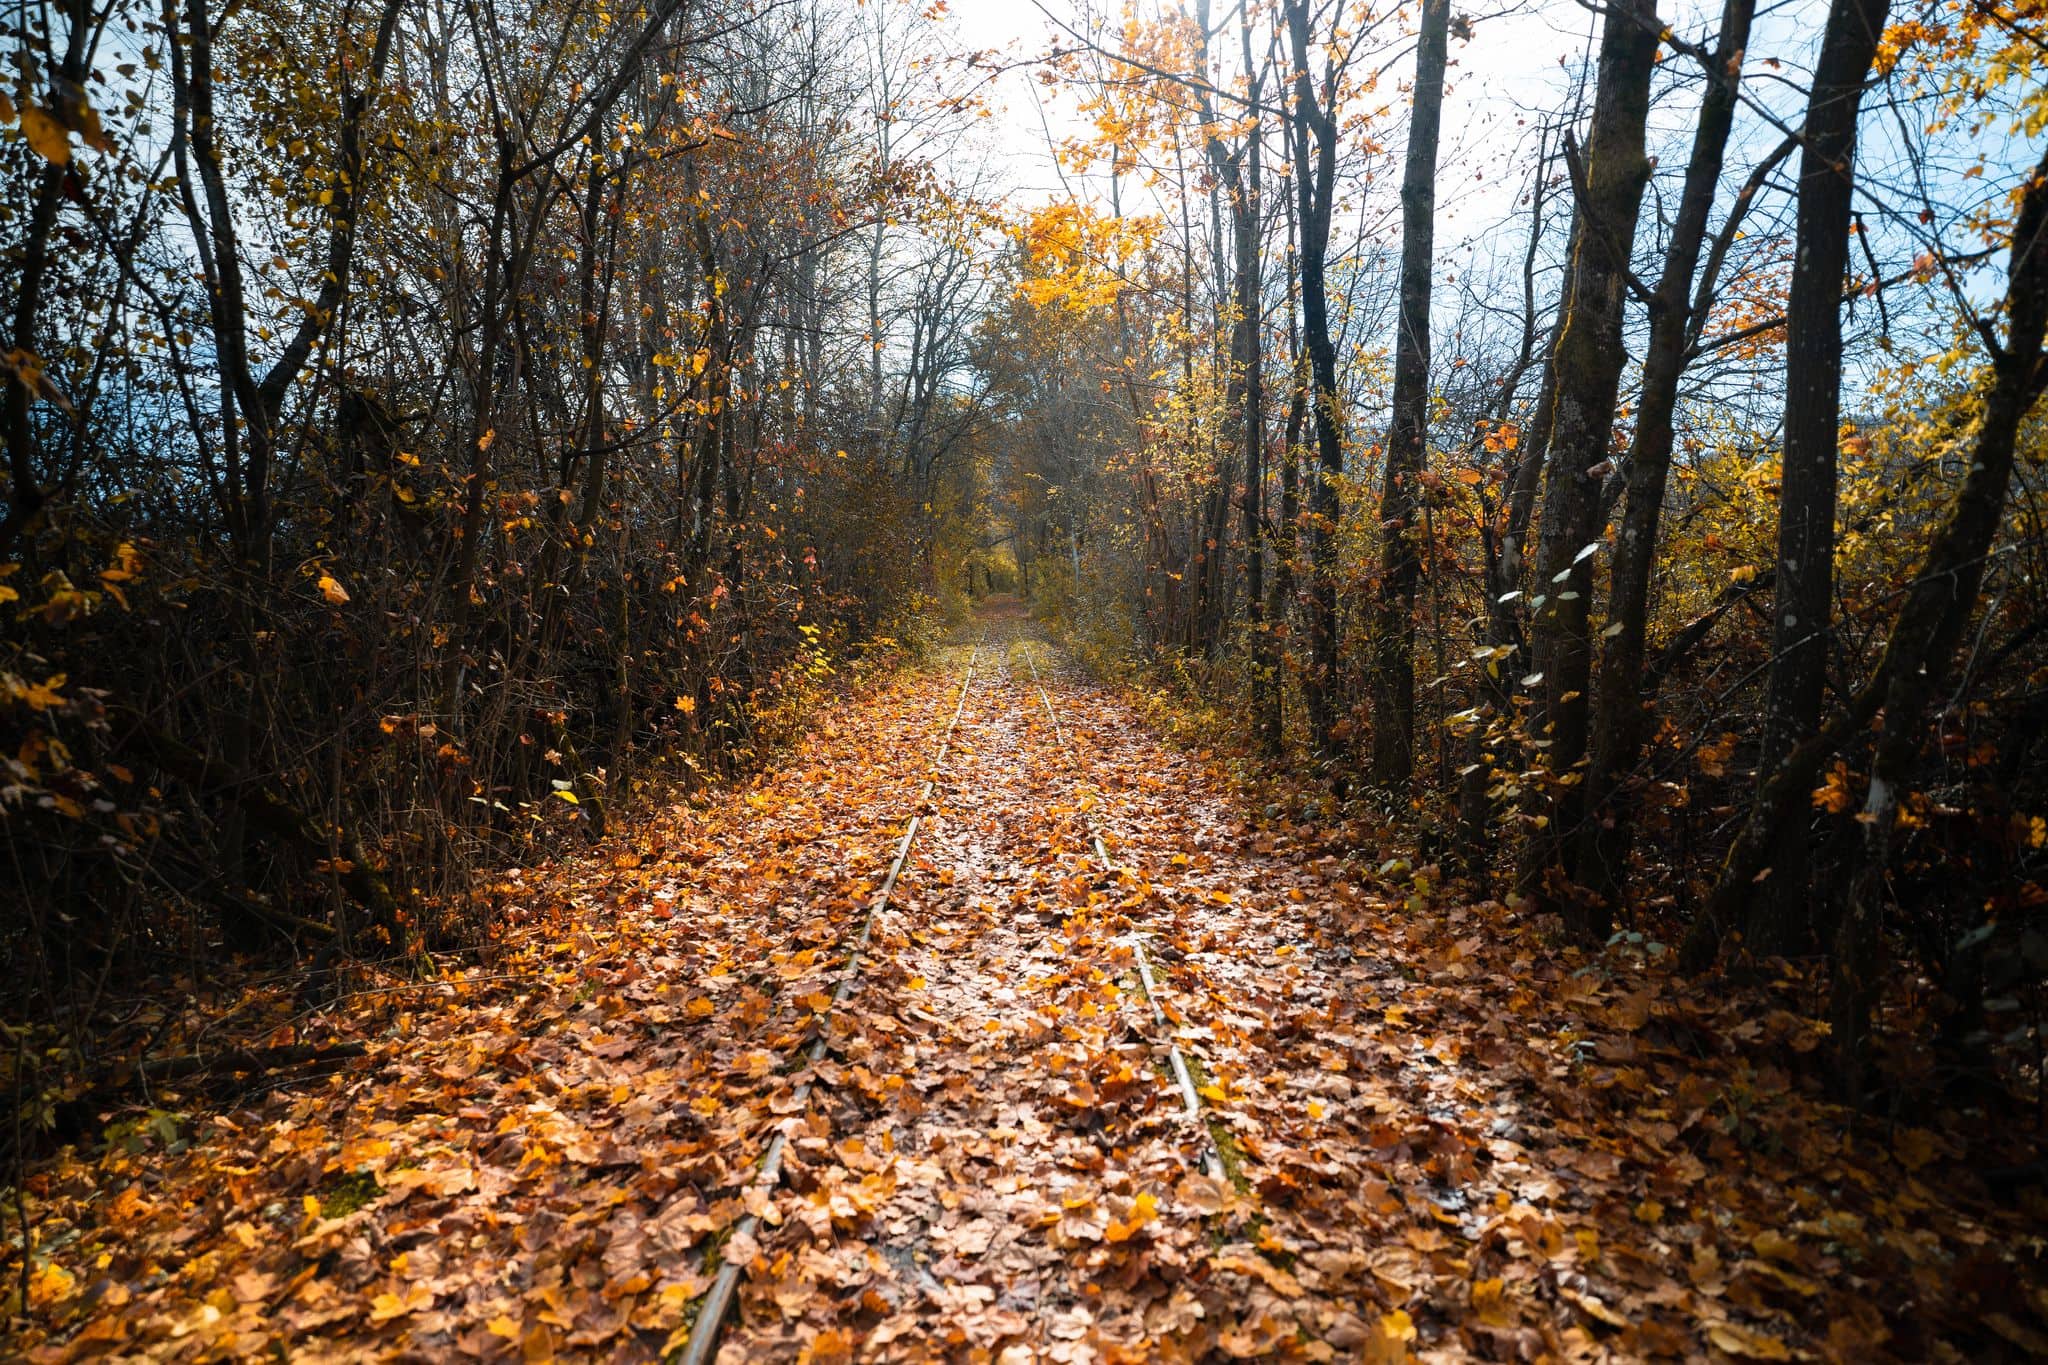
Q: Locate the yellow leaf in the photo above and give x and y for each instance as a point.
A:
(1593, 1308)
(1776, 1245)
(829, 1347)
(335, 594)
(49, 137)
(1489, 1301)
(90, 130)
(50, 1284)
(1798, 1284)
(385, 1307)
(1259, 1268)
(687, 705)
(1741, 1341)
(502, 1326)
(1389, 1344)
(1143, 1210)
(36, 696)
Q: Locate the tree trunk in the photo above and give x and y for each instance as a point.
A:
(1930, 624)
(1315, 161)
(1618, 726)
(1590, 357)
(1286, 540)
(26, 495)
(1393, 633)
(1778, 919)
(1494, 723)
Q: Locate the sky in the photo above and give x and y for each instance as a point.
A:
(1519, 65)
(1520, 60)
(1515, 63)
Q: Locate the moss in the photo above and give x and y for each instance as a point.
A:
(1231, 1152)
(348, 1192)
(1228, 1149)
(714, 1260)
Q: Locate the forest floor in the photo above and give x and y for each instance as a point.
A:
(1442, 1133)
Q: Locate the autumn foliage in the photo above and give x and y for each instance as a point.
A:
(648, 713)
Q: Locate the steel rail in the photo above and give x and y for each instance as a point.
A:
(703, 1343)
(1183, 1075)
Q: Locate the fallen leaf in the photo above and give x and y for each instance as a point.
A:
(1747, 1343)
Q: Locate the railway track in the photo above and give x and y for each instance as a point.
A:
(718, 1304)
(718, 1300)
(1183, 1074)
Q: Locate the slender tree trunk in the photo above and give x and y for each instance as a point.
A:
(1618, 726)
(1590, 357)
(26, 495)
(1250, 353)
(1237, 174)
(1393, 631)
(1286, 545)
(1315, 162)
(1778, 920)
(1535, 447)
(1212, 535)
(1493, 727)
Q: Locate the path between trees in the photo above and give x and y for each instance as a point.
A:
(1439, 1134)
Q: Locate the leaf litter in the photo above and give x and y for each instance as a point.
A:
(1444, 1134)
